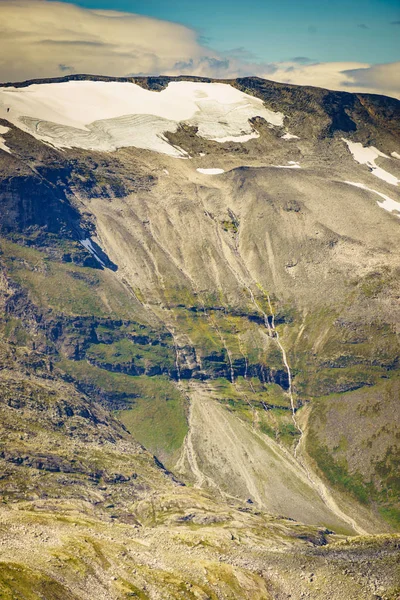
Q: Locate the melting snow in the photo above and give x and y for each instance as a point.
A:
(211, 171)
(88, 245)
(367, 156)
(289, 136)
(3, 145)
(109, 115)
(238, 138)
(292, 164)
(389, 204)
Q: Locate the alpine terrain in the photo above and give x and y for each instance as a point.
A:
(199, 340)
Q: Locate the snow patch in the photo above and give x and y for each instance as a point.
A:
(211, 171)
(88, 245)
(396, 155)
(98, 115)
(3, 145)
(389, 204)
(367, 156)
(241, 139)
(292, 164)
(289, 136)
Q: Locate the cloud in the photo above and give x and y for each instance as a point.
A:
(302, 60)
(48, 39)
(380, 79)
(395, 23)
(240, 53)
(328, 75)
(36, 37)
(362, 26)
(350, 77)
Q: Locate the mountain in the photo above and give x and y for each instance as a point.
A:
(199, 316)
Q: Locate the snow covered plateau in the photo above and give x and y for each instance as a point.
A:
(97, 115)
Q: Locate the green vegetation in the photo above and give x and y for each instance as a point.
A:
(336, 473)
(343, 379)
(328, 354)
(14, 331)
(230, 226)
(213, 331)
(154, 409)
(199, 329)
(354, 483)
(265, 406)
(267, 430)
(124, 353)
(375, 283)
(269, 395)
(66, 287)
(325, 357)
(288, 433)
(342, 428)
(388, 469)
(228, 395)
(157, 418)
(17, 581)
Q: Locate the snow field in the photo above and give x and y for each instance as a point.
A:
(99, 115)
(3, 145)
(211, 171)
(367, 156)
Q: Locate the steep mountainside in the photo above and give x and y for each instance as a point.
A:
(199, 316)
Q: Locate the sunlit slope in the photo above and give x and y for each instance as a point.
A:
(253, 281)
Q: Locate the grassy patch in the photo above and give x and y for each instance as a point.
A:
(14, 331)
(157, 418)
(336, 473)
(288, 433)
(230, 226)
(269, 395)
(125, 352)
(374, 283)
(267, 430)
(354, 441)
(66, 287)
(265, 406)
(155, 412)
(20, 582)
(391, 514)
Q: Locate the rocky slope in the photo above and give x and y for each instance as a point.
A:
(199, 372)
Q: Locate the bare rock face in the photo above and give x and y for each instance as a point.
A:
(199, 341)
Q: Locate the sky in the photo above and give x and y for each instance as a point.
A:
(323, 30)
(351, 45)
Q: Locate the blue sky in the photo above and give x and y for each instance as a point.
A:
(352, 30)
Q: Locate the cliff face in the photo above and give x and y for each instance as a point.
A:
(241, 327)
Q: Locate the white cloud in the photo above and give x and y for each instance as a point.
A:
(347, 76)
(47, 39)
(41, 39)
(376, 77)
